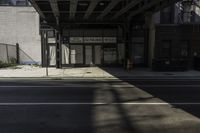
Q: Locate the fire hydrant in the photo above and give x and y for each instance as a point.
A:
(129, 65)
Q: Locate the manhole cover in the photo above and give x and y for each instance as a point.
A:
(88, 72)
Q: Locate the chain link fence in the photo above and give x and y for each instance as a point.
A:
(9, 53)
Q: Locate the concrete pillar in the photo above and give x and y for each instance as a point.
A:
(17, 53)
(58, 50)
(150, 25)
(58, 44)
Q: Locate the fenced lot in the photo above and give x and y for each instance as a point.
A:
(8, 53)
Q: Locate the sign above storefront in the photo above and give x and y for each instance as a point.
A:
(93, 40)
(51, 40)
(110, 40)
(76, 40)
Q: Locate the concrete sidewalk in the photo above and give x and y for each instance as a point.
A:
(29, 71)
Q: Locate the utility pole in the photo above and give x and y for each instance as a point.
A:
(46, 55)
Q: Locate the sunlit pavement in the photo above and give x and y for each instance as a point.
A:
(28, 71)
(92, 106)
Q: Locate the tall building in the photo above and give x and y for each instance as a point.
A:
(19, 23)
(177, 31)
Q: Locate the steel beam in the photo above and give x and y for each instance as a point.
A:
(69, 0)
(145, 7)
(91, 8)
(34, 4)
(73, 8)
(108, 9)
(54, 7)
(126, 8)
(151, 4)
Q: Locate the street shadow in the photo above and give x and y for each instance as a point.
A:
(47, 118)
(178, 97)
(170, 94)
(71, 118)
(26, 58)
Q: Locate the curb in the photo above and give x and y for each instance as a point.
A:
(107, 78)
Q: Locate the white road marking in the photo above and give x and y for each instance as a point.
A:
(43, 86)
(167, 85)
(99, 103)
(82, 86)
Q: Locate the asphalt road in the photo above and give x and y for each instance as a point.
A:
(99, 106)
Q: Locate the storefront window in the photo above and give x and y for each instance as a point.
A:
(76, 54)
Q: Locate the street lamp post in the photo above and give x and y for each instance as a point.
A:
(46, 54)
(47, 72)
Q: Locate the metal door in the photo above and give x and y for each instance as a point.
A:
(98, 54)
(88, 55)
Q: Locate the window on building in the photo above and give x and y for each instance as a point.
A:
(189, 11)
(5, 2)
(166, 15)
(166, 48)
(14, 2)
(20, 2)
(76, 54)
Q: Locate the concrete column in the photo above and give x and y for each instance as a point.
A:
(128, 38)
(58, 44)
(58, 50)
(150, 25)
(126, 42)
(17, 53)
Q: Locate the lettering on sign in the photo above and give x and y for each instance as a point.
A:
(93, 40)
(110, 40)
(76, 40)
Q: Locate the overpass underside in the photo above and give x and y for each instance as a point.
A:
(85, 27)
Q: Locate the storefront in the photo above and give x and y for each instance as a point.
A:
(83, 47)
